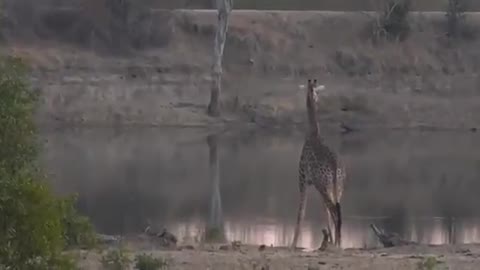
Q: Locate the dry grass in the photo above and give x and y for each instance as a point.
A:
(268, 54)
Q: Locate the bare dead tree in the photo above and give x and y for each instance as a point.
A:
(391, 20)
(224, 7)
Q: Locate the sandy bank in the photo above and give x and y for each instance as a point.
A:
(403, 258)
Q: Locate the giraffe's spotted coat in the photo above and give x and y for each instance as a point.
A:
(317, 166)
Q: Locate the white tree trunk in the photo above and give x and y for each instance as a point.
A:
(224, 8)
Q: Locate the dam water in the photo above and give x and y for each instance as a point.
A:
(422, 185)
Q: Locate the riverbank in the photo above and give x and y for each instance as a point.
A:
(159, 76)
(463, 257)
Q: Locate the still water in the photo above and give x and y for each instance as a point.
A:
(422, 185)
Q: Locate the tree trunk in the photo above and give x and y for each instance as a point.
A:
(224, 8)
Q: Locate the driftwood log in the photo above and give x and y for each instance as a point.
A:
(166, 238)
(390, 239)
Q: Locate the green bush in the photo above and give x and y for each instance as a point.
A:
(31, 235)
(79, 231)
(17, 104)
(35, 225)
(147, 262)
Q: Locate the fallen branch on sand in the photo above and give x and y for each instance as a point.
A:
(390, 239)
(166, 238)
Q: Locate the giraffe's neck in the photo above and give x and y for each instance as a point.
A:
(314, 130)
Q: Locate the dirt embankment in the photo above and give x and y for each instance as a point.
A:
(156, 71)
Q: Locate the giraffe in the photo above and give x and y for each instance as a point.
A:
(321, 167)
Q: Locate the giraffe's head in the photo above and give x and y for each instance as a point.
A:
(313, 89)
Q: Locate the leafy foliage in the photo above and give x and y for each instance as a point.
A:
(31, 235)
(16, 111)
(79, 231)
(214, 235)
(34, 224)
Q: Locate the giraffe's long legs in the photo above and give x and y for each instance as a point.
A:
(301, 211)
(330, 226)
(338, 228)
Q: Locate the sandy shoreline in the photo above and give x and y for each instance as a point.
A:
(249, 257)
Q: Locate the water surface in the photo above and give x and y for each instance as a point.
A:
(422, 185)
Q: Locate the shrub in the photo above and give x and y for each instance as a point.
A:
(392, 22)
(116, 260)
(31, 231)
(214, 235)
(456, 17)
(17, 103)
(430, 263)
(31, 236)
(35, 225)
(119, 21)
(79, 232)
(147, 262)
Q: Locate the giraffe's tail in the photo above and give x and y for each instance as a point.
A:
(338, 228)
(300, 214)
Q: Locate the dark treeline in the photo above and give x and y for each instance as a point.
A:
(338, 5)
